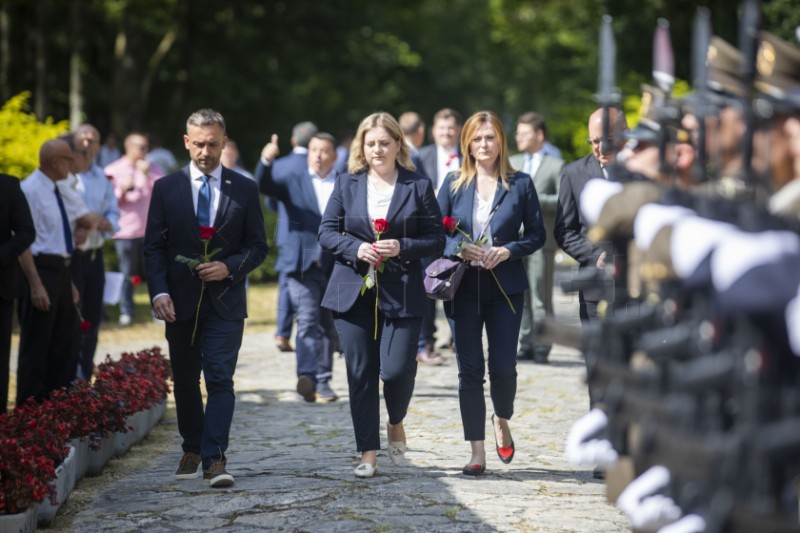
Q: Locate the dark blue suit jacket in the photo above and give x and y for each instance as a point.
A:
(570, 227)
(519, 207)
(296, 193)
(172, 230)
(414, 219)
(281, 169)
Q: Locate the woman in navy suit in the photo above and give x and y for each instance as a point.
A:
(382, 218)
(490, 202)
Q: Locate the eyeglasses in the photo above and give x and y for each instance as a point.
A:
(598, 140)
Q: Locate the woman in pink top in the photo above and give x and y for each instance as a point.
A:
(133, 178)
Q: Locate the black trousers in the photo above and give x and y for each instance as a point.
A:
(88, 274)
(392, 357)
(48, 347)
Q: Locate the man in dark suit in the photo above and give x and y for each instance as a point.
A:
(438, 160)
(16, 234)
(204, 307)
(284, 167)
(570, 227)
(305, 196)
(414, 132)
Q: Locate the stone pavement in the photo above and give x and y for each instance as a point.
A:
(293, 462)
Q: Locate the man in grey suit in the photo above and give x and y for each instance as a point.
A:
(545, 170)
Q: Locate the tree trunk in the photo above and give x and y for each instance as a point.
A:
(39, 104)
(76, 113)
(5, 53)
(126, 109)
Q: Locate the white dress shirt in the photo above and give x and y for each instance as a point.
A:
(214, 182)
(323, 188)
(40, 192)
(446, 162)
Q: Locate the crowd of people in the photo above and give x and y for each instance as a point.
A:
(659, 213)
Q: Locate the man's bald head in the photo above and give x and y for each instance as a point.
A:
(55, 157)
(617, 123)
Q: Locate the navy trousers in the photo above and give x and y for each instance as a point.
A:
(478, 303)
(285, 317)
(316, 333)
(392, 357)
(214, 353)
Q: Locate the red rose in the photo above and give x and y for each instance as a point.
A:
(136, 280)
(207, 232)
(381, 225)
(86, 325)
(449, 224)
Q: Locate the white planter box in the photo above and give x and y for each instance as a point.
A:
(24, 522)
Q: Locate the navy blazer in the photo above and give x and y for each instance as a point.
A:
(17, 233)
(283, 167)
(296, 193)
(570, 227)
(519, 207)
(172, 229)
(414, 220)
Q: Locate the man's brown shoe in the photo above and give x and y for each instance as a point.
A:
(282, 344)
(305, 388)
(189, 467)
(216, 475)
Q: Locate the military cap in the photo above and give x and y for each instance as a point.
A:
(656, 108)
(648, 127)
(778, 68)
(724, 68)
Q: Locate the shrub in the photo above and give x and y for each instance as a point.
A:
(21, 136)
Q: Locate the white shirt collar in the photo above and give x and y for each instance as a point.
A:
(196, 173)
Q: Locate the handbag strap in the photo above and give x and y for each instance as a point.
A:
(493, 211)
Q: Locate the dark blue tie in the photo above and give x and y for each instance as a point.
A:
(204, 203)
(65, 223)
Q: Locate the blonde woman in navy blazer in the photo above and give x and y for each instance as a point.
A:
(486, 179)
(381, 184)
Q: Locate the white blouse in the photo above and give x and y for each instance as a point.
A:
(377, 201)
(481, 209)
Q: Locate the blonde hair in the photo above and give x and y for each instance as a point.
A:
(468, 167)
(357, 162)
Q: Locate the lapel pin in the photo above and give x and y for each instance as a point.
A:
(227, 182)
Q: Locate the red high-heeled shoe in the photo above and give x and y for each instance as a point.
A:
(505, 453)
(473, 470)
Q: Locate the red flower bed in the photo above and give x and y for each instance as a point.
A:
(33, 438)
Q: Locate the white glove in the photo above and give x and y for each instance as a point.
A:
(690, 523)
(581, 449)
(646, 509)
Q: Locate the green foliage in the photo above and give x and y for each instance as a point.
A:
(21, 136)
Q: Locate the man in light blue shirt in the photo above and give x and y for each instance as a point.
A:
(87, 266)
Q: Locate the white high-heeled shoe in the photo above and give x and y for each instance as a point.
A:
(365, 470)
